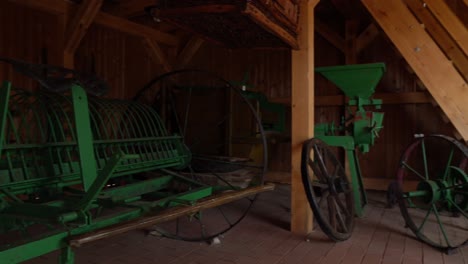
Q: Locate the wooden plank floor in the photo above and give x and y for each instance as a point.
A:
(263, 237)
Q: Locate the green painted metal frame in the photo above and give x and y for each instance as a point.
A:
(73, 213)
(357, 82)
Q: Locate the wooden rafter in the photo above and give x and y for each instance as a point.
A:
(330, 35)
(450, 21)
(61, 7)
(431, 65)
(189, 50)
(264, 21)
(366, 37)
(78, 26)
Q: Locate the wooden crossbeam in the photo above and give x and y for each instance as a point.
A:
(330, 35)
(387, 99)
(450, 22)
(264, 21)
(136, 29)
(78, 26)
(60, 7)
(438, 74)
(366, 37)
(440, 35)
(189, 50)
(157, 54)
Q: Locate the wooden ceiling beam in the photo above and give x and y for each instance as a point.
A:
(78, 26)
(330, 35)
(128, 8)
(136, 29)
(60, 7)
(450, 22)
(366, 37)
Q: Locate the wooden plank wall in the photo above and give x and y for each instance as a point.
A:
(122, 61)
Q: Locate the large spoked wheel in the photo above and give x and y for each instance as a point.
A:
(433, 191)
(225, 137)
(328, 190)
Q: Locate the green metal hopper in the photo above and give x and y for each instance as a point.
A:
(357, 80)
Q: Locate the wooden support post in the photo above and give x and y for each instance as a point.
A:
(302, 114)
(438, 74)
(350, 39)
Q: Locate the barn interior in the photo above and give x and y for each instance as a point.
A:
(234, 91)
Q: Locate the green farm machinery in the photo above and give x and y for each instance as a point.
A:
(333, 197)
(431, 189)
(75, 168)
(432, 180)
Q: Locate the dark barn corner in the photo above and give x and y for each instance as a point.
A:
(233, 131)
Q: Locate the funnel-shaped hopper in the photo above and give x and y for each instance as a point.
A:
(357, 80)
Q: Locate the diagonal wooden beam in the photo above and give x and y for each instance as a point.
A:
(431, 65)
(61, 7)
(190, 49)
(366, 37)
(78, 26)
(440, 35)
(330, 35)
(450, 21)
(157, 54)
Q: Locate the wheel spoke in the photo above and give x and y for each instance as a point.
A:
(331, 212)
(413, 170)
(341, 205)
(340, 217)
(426, 171)
(224, 215)
(449, 161)
(436, 212)
(425, 219)
(320, 161)
(458, 208)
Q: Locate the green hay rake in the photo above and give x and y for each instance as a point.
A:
(76, 168)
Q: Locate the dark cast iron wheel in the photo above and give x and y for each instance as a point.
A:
(433, 191)
(226, 140)
(328, 190)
